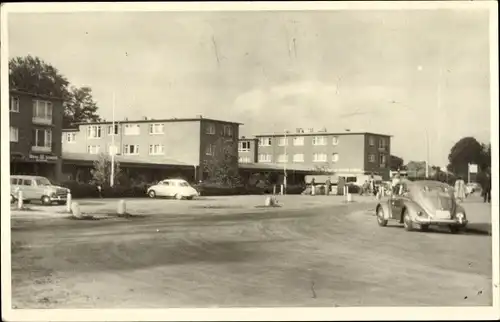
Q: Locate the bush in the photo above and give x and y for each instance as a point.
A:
(87, 190)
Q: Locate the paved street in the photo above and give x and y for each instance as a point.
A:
(214, 252)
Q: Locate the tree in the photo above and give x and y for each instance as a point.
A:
(466, 150)
(416, 169)
(101, 173)
(80, 106)
(396, 163)
(222, 167)
(485, 159)
(33, 75)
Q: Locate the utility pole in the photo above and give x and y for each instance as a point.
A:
(112, 176)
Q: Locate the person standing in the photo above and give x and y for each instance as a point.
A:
(486, 186)
(328, 185)
(396, 180)
(460, 189)
(313, 187)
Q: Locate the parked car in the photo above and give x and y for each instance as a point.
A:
(472, 187)
(36, 188)
(420, 204)
(173, 188)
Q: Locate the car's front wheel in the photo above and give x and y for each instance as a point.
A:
(152, 194)
(407, 221)
(380, 217)
(46, 200)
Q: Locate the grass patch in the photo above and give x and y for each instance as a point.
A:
(218, 207)
(271, 206)
(83, 217)
(24, 208)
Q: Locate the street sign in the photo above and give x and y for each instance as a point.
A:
(472, 168)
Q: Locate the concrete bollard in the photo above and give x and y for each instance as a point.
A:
(282, 192)
(121, 210)
(274, 189)
(268, 202)
(349, 197)
(20, 200)
(313, 190)
(75, 209)
(68, 202)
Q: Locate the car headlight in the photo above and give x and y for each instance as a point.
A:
(420, 214)
(460, 215)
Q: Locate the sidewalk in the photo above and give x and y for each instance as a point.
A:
(217, 205)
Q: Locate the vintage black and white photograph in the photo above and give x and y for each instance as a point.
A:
(184, 156)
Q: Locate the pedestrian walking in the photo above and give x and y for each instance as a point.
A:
(328, 185)
(460, 189)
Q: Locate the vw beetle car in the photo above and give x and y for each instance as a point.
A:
(176, 188)
(420, 204)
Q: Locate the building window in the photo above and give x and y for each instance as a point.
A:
(319, 157)
(298, 158)
(156, 149)
(245, 159)
(14, 104)
(131, 149)
(93, 149)
(156, 128)
(371, 141)
(265, 158)
(210, 150)
(42, 138)
(110, 130)
(371, 157)
(244, 146)
(265, 141)
(132, 129)
(335, 157)
(383, 160)
(282, 141)
(210, 129)
(382, 144)
(298, 141)
(335, 140)
(319, 140)
(228, 130)
(283, 158)
(14, 134)
(94, 132)
(42, 112)
(70, 137)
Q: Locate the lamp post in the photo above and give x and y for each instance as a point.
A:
(285, 164)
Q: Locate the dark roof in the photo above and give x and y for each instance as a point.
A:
(277, 166)
(48, 97)
(124, 159)
(247, 139)
(158, 121)
(72, 129)
(320, 134)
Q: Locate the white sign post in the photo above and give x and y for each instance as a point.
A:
(471, 168)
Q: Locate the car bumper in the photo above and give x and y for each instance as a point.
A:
(58, 198)
(441, 222)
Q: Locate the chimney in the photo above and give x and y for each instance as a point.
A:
(299, 130)
(145, 118)
(242, 137)
(126, 119)
(324, 130)
(311, 130)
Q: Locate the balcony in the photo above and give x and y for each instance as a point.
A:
(41, 149)
(41, 120)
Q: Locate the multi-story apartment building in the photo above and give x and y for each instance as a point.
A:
(248, 150)
(194, 141)
(34, 121)
(346, 152)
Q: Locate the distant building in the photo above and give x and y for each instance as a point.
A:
(189, 141)
(341, 153)
(248, 150)
(35, 129)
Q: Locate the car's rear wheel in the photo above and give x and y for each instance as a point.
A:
(152, 194)
(380, 217)
(46, 200)
(407, 221)
(424, 227)
(178, 196)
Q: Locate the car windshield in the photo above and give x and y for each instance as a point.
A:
(43, 182)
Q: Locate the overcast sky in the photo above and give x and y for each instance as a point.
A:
(361, 70)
